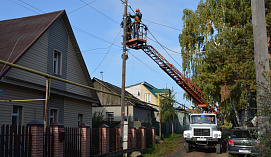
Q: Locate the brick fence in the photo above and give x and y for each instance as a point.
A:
(57, 140)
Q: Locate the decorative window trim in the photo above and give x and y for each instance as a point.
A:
(55, 117)
(57, 62)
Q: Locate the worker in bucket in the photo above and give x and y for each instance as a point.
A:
(128, 26)
(137, 17)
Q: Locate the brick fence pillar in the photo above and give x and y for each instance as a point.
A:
(133, 134)
(37, 130)
(56, 129)
(85, 139)
(105, 138)
(153, 134)
(142, 129)
(118, 147)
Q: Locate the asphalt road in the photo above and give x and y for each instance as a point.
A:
(198, 152)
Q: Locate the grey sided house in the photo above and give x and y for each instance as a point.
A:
(45, 43)
(111, 105)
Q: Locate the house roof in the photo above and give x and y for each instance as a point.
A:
(152, 89)
(143, 83)
(117, 90)
(18, 35)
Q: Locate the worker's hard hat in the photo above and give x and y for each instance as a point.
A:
(137, 9)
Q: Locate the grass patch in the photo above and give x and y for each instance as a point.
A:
(168, 146)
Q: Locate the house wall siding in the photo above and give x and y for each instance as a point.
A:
(72, 108)
(36, 59)
(56, 102)
(143, 115)
(75, 73)
(57, 40)
(31, 110)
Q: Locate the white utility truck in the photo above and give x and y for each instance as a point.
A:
(203, 131)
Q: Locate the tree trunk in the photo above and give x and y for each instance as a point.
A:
(236, 113)
(172, 127)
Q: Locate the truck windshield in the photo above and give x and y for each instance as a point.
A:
(200, 119)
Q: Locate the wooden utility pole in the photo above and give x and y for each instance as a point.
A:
(261, 57)
(124, 55)
(46, 103)
(160, 119)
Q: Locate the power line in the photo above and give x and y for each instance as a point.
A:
(165, 46)
(100, 12)
(164, 49)
(106, 53)
(81, 7)
(94, 36)
(31, 6)
(162, 25)
(24, 6)
(150, 67)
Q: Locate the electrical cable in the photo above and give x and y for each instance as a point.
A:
(165, 49)
(165, 46)
(81, 7)
(31, 6)
(94, 36)
(24, 6)
(11, 53)
(107, 52)
(100, 12)
(161, 25)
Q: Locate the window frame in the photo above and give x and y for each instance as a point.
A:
(54, 116)
(18, 115)
(110, 119)
(80, 119)
(147, 97)
(57, 63)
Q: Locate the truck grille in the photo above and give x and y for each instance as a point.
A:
(201, 132)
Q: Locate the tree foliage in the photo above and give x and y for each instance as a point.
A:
(167, 109)
(217, 50)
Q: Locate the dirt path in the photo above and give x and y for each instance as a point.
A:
(198, 152)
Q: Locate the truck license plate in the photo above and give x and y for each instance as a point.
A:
(201, 139)
(244, 151)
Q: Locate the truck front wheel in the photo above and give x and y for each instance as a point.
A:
(187, 147)
(218, 148)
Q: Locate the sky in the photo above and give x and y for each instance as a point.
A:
(96, 25)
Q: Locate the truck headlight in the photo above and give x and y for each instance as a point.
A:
(217, 134)
(187, 134)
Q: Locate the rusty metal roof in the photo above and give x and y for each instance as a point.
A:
(18, 35)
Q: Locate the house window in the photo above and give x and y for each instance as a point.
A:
(53, 116)
(138, 93)
(17, 115)
(80, 119)
(148, 97)
(57, 63)
(110, 116)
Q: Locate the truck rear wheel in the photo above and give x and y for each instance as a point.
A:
(187, 147)
(218, 148)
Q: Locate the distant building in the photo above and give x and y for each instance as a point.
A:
(111, 105)
(44, 43)
(146, 92)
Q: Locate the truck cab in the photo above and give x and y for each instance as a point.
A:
(203, 131)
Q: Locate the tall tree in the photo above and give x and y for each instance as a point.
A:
(167, 109)
(217, 51)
